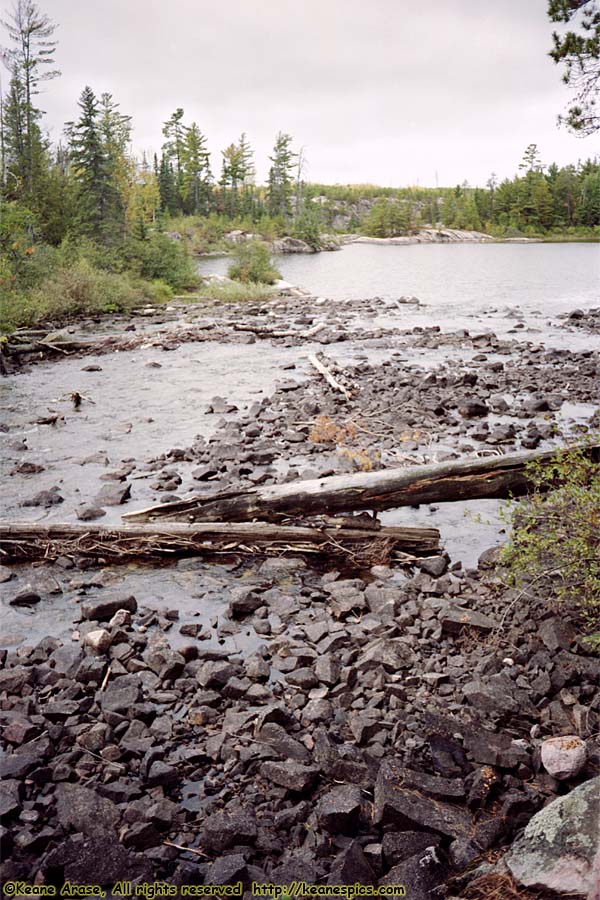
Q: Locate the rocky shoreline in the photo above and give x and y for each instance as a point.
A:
(397, 725)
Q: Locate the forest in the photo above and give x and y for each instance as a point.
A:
(87, 225)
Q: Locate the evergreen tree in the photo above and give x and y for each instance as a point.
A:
(195, 172)
(280, 184)
(173, 149)
(580, 53)
(100, 206)
(27, 58)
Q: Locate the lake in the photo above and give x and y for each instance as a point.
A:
(466, 278)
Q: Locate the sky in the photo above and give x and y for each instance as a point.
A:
(388, 92)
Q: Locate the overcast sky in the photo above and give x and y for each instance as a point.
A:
(385, 91)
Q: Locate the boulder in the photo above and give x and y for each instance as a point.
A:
(557, 848)
(102, 610)
(339, 809)
(564, 757)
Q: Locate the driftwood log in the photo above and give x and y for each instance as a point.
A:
(21, 541)
(468, 479)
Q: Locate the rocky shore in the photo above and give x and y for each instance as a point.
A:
(395, 725)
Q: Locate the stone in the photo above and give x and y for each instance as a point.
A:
(328, 669)
(121, 694)
(303, 677)
(408, 809)
(339, 809)
(228, 869)
(291, 775)
(397, 846)
(388, 652)
(113, 494)
(86, 512)
(351, 866)
(25, 598)
(499, 694)
(10, 797)
(473, 409)
(98, 860)
(102, 610)
(420, 874)
(282, 743)
(564, 757)
(98, 640)
(82, 809)
(243, 602)
(434, 565)
(557, 848)
(455, 619)
(45, 499)
(227, 829)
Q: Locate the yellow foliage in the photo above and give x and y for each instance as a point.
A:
(325, 431)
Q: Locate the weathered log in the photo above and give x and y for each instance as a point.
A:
(333, 382)
(21, 541)
(467, 479)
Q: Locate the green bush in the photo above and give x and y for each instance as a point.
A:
(78, 290)
(554, 547)
(253, 264)
(307, 228)
(161, 257)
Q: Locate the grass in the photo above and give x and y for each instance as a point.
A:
(234, 292)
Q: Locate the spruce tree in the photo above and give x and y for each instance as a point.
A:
(100, 208)
(280, 183)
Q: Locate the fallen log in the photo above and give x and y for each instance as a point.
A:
(20, 541)
(333, 382)
(468, 479)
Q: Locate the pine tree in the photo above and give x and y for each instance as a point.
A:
(173, 149)
(280, 184)
(31, 51)
(100, 206)
(195, 172)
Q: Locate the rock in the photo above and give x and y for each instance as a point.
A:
(352, 867)
(25, 598)
(87, 513)
(283, 744)
(291, 775)
(473, 409)
(6, 574)
(121, 694)
(228, 869)
(229, 828)
(407, 809)
(434, 565)
(556, 634)
(455, 619)
(98, 640)
(291, 245)
(45, 499)
(390, 653)
(498, 694)
(244, 601)
(564, 757)
(400, 845)
(303, 677)
(82, 809)
(420, 874)
(339, 809)
(10, 797)
(113, 494)
(102, 610)
(97, 860)
(557, 849)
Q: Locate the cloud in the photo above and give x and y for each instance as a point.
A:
(386, 91)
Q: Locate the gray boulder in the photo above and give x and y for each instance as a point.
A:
(557, 849)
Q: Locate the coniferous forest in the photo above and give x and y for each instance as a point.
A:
(87, 224)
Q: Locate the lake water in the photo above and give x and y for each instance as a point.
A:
(466, 278)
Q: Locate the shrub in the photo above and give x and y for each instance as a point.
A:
(307, 228)
(158, 256)
(253, 264)
(555, 542)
